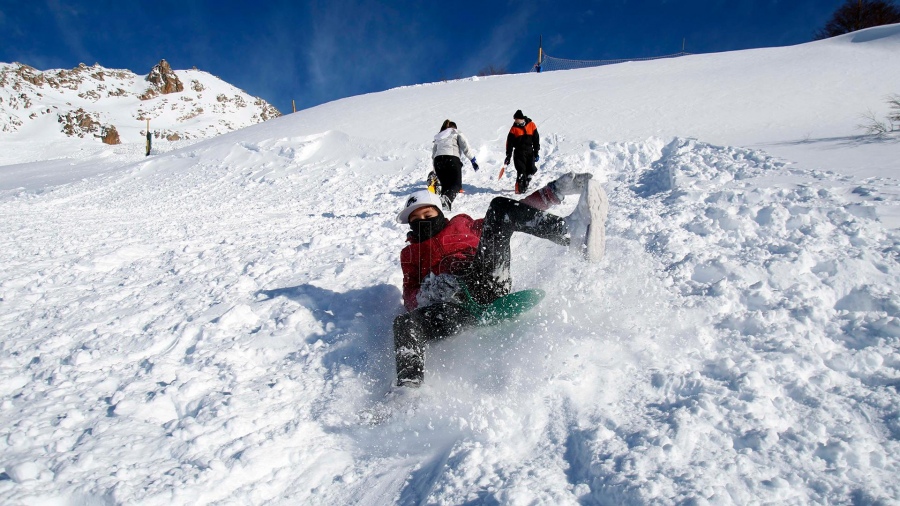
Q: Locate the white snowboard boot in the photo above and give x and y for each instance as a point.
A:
(587, 224)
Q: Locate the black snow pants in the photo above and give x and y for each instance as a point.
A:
(448, 169)
(487, 278)
(525, 168)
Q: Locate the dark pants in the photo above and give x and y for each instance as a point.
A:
(449, 172)
(525, 168)
(487, 277)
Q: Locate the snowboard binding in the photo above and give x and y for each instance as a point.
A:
(434, 185)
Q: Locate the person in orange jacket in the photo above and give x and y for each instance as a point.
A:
(524, 146)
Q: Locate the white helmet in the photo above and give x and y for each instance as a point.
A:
(422, 198)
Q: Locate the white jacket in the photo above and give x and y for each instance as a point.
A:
(451, 142)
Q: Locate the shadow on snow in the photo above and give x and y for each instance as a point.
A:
(357, 324)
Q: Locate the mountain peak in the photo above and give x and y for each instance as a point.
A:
(163, 81)
(89, 102)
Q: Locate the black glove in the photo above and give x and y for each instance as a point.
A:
(506, 162)
(536, 158)
(474, 164)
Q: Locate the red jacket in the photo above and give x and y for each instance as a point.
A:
(449, 252)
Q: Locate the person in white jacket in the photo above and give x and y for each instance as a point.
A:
(449, 146)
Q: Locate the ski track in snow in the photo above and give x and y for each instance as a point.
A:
(213, 327)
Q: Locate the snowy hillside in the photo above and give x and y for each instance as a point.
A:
(62, 107)
(212, 325)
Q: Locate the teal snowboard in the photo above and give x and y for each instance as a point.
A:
(505, 308)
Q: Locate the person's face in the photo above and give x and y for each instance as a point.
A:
(519, 122)
(423, 213)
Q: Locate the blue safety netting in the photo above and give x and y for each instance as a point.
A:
(549, 63)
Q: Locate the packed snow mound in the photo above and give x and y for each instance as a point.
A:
(213, 325)
(889, 33)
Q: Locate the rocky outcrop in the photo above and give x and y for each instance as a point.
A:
(29, 75)
(19, 74)
(110, 135)
(267, 111)
(163, 81)
(79, 123)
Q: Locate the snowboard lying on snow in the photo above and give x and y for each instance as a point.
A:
(505, 308)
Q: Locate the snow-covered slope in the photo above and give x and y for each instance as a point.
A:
(64, 111)
(213, 325)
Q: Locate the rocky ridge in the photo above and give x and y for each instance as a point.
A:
(114, 106)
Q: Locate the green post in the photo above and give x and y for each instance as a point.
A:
(148, 138)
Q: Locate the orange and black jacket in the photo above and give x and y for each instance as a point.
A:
(524, 139)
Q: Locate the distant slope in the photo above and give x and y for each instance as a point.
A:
(782, 98)
(91, 102)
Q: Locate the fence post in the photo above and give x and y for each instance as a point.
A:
(148, 137)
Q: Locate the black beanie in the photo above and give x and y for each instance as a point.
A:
(518, 115)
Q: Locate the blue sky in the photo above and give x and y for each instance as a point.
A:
(317, 51)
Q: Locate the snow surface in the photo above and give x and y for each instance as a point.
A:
(212, 325)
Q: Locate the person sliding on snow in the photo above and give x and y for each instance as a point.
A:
(524, 140)
(449, 144)
(447, 258)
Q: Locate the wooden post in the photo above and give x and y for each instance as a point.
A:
(293, 105)
(541, 49)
